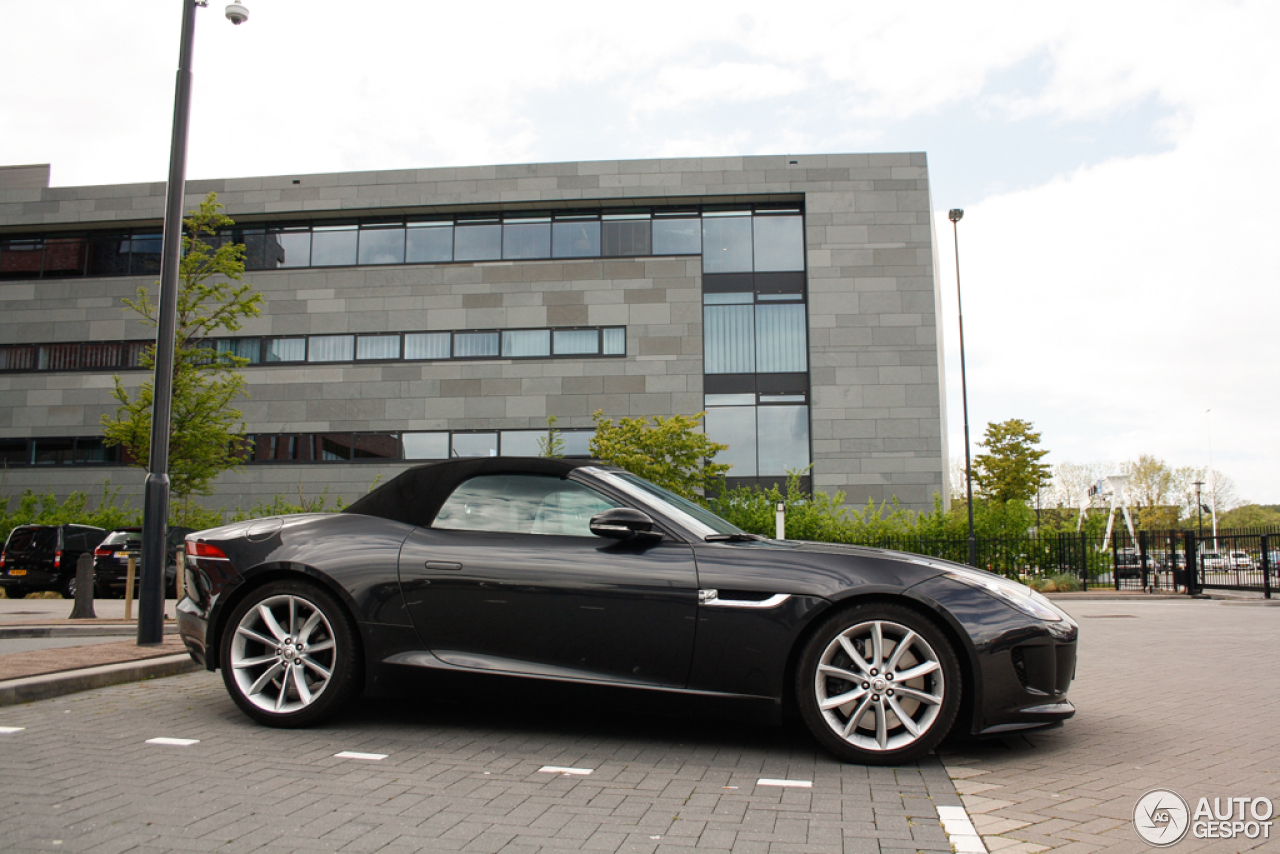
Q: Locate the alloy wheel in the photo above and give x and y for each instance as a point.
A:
(283, 654)
(879, 686)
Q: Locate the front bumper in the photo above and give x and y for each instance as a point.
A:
(1022, 667)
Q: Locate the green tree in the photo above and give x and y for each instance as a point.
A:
(1251, 516)
(670, 452)
(1011, 468)
(551, 445)
(206, 430)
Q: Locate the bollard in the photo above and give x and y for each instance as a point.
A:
(780, 522)
(83, 609)
(128, 587)
(180, 577)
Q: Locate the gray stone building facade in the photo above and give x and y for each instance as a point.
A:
(415, 314)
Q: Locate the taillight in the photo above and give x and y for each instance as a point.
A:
(101, 552)
(198, 549)
(57, 559)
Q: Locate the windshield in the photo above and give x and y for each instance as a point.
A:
(698, 519)
(118, 538)
(28, 539)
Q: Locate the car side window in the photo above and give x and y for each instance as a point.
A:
(522, 504)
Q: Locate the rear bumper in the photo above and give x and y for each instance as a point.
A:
(32, 581)
(193, 629)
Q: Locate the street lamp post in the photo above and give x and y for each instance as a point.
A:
(155, 506)
(954, 215)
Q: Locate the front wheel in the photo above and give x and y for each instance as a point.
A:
(878, 684)
(290, 656)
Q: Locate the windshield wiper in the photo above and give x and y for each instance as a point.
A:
(733, 538)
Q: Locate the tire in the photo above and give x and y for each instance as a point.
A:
(291, 671)
(861, 654)
(68, 587)
(15, 594)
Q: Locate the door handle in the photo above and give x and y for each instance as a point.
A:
(442, 564)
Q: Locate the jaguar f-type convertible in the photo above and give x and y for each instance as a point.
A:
(580, 572)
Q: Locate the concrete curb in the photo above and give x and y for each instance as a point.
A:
(46, 630)
(48, 685)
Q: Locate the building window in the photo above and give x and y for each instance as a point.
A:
(726, 242)
(743, 336)
(767, 435)
(526, 237)
(477, 240)
(623, 234)
(575, 237)
(475, 345)
(759, 238)
(429, 242)
(427, 345)
(378, 347)
(381, 244)
(778, 242)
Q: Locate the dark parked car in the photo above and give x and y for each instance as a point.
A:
(43, 557)
(111, 561)
(579, 572)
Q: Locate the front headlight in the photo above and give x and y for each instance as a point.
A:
(1016, 595)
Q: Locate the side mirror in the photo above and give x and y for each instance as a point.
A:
(624, 523)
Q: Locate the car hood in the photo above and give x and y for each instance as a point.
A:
(829, 570)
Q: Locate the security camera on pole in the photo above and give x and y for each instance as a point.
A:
(155, 507)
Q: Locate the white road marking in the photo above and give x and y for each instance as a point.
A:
(798, 784)
(174, 742)
(960, 830)
(351, 754)
(10, 730)
(560, 769)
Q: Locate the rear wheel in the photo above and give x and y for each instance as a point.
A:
(290, 656)
(68, 587)
(878, 684)
(14, 593)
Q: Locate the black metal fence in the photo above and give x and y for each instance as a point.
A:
(1238, 562)
(1154, 561)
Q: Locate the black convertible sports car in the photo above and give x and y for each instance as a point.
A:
(575, 571)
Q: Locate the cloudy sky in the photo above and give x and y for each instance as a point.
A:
(1114, 160)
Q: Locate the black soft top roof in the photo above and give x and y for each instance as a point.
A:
(415, 496)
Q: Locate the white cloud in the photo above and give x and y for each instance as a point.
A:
(1149, 274)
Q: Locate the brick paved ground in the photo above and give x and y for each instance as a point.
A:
(1179, 694)
(457, 776)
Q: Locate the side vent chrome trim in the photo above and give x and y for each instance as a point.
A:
(711, 598)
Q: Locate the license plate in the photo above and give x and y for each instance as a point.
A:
(17, 572)
(122, 555)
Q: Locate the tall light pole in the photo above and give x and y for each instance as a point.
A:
(155, 506)
(954, 215)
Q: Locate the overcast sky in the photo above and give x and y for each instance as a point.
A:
(1115, 161)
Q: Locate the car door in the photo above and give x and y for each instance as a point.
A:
(510, 578)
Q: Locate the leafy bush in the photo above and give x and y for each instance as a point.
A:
(816, 516)
(33, 509)
(1058, 582)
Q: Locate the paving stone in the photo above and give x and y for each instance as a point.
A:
(1146, 720)
(457, 777)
